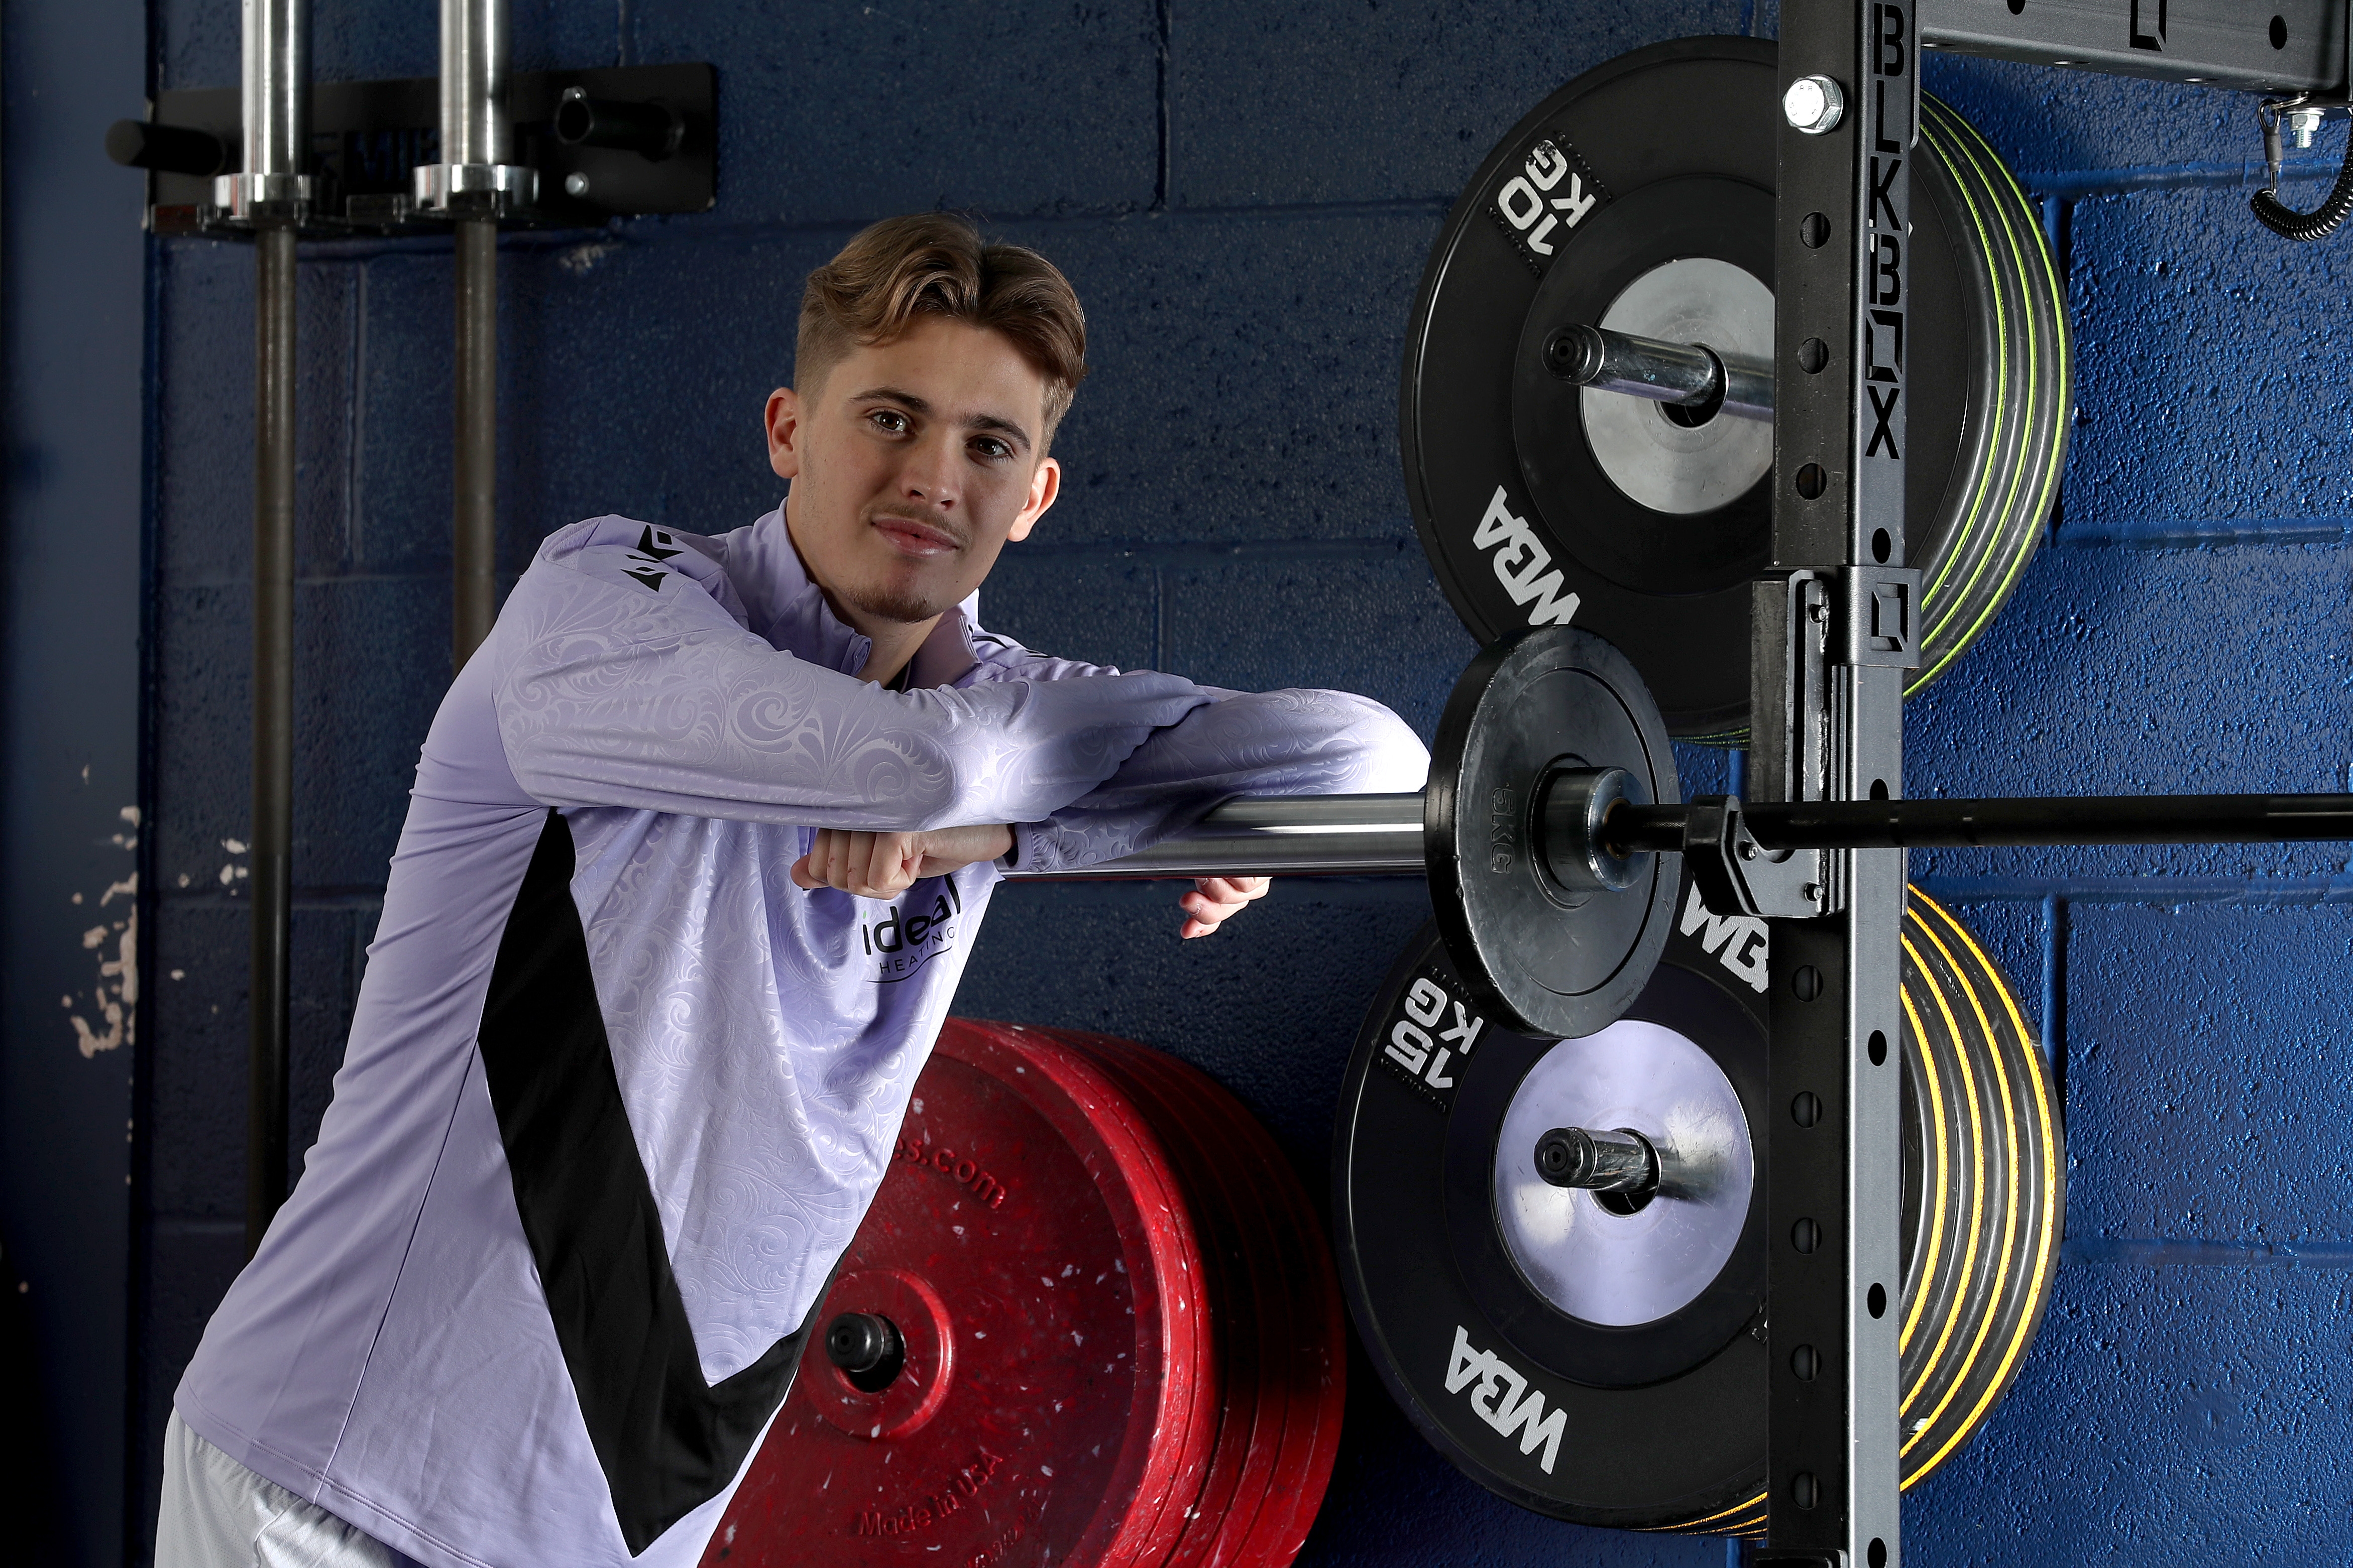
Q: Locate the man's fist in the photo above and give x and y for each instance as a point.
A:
(1215, 899)
(884, 865)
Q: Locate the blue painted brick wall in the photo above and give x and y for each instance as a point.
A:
(1244, 195)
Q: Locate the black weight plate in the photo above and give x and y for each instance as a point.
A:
(1549, 960)
(1522, 525)
(1663, 1423)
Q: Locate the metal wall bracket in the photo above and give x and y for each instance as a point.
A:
(367, 139)
(1833, 664)
(1879, 617)
(1735, 872)
(2280, 46)
(1789, 702)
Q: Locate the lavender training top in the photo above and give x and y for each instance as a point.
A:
(617, 1092)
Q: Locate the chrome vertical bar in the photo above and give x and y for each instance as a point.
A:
(474, 49)
(275, 49)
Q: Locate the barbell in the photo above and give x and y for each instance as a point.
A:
(1553, 822)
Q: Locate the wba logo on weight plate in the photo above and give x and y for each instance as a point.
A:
(1500, 1395)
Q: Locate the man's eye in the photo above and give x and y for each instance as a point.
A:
(990, 447)
(890, 419)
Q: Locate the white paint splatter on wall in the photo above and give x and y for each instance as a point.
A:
(115, 998)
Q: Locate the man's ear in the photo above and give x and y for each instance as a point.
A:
(785, 436)
(1044, 485)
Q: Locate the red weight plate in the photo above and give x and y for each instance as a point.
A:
(1281, 1306)
(1312, 1350)
(1305, 1346)
(1183, 1442)
(1232, 1291)
(1248, 1292)
(1309, 1350)
(1030, 1243)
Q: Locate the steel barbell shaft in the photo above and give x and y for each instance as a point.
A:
(1381, 835)
(1622, 1161)
(1686, 375)
(1960, 824)
(1277, 836)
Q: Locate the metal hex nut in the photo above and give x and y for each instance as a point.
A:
(1814, 104)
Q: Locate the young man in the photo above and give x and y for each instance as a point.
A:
(624, 1075)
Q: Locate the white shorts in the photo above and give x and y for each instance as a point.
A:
(218, 1514)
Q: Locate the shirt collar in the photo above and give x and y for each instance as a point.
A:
(789, 610)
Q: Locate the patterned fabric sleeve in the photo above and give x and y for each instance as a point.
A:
(1274, 742)
(614, 691)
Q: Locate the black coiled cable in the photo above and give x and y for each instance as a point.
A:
(2286, 221)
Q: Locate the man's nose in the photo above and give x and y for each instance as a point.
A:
(930, 470)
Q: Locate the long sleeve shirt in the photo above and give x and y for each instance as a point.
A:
(617, 1092)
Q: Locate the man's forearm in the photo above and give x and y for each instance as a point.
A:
(1276, 742)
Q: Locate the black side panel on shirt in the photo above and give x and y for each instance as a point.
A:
(667, 1441)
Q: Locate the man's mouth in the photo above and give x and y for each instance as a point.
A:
(912, 537)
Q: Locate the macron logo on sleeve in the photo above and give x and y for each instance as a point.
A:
(654, 547)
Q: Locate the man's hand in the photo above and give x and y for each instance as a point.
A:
(884, 865)
(1215, 899)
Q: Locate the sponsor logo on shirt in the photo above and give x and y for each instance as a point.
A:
(912, 935)
(654, 547)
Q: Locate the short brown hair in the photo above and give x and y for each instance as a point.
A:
(936, 264)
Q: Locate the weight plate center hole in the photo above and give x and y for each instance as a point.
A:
(868, 1348)
(1673, 460)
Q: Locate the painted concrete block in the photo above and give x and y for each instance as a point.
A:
(204, 409)
(195, 43)
(646, 368)
(1268, 1005)
(2210, 356)
(2178, 1415)
(372, 660)
(2209, 1092)
(196, 1061)
(1245, 375)
(837, 114)
(204, 703)
(1334, 103)
(400, 413)
(2138, 671)
(206, 312)
(1103, 609)
(1375, 625)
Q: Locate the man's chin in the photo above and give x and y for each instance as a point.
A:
(905, 606)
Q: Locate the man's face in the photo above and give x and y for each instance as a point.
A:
(911, 466)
